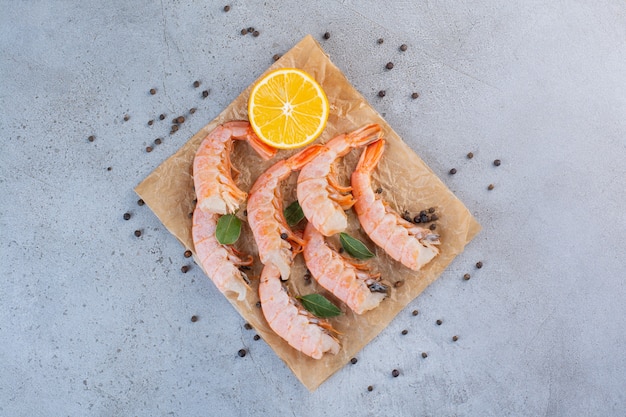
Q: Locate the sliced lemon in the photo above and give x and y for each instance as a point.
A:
(288, 109)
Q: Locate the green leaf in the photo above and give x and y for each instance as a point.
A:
(354, 247)
(294, 214)
(319, 306)
(228, 229)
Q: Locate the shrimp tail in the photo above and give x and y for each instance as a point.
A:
(371, 156)
(264, 150)
(365, 135)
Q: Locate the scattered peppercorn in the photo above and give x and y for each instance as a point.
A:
(184, 269)
(161, 116)
(205, 93)
(415, 312)
(479, 264)
(247, 326)
(244, 31)
(424, 355)
(379, 190)
(241, 353)
(439, 322)
(126, 118)
(276, 57)
(414, 96)
(258, 304)
(424, 218)
(470, 155)
(140, 202)
(109, 168)
(490, 187)
(283, 236)
(405, 332)
(148, 148)
(180, 119)
(158, 141)
(434, 217)
(403, 47)
(453, 171)
(150, 122)
(380, 40)
(433, 226)
(175, 128)
(497, 162)
(395, 373)
(389, 65)
(196, 84)
(192, 110)
(126, 216)
(187, 254)
(370, 388)
(431, 210)
(353, 361)
(256, 33)
(256, 337)
(250, 29)
(153, 91)
(194, 319)
(326, 35)
(382, 93)
(455, 338)
(91, 138)
(137, 233)
(226, 8)
(466, 277)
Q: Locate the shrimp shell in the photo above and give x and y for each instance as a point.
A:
(358, 289)
(218, 261)
(319, 194)
(215, 189)
(289, 320)
(405, 242)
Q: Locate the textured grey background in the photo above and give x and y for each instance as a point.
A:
(94, 321)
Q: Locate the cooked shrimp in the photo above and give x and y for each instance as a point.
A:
(220, 262)
(286, 317)
(405, 242)
(322, 199)
(215, 189)
(275, 240)
(360, 290)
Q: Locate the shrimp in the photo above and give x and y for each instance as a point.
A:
(220, 262)
(215, 189)
(302, 330)
(405, 242)
(275, 240)
(322, 199)
(357, 288)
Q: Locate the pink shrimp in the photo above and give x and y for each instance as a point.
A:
(273, 237)
(322, 199)
(220, 262)
(215, 189)
(278, 246)
(303, 331)
(360, 290)
(405, 242)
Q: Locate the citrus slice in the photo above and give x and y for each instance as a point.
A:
(288, 108)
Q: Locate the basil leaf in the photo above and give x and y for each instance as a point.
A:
(293, 214)
(354, 247)
(319, 305)
(228, 229)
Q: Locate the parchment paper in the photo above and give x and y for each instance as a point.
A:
(407, 184)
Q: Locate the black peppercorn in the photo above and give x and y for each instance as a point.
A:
(205, 93)
(284, 236)
(432, 226)
(353, 361)
(150, 122)
(241, 353)
(194, 319)
(184, 269)
(161, 117)
(148, 148)
(276, 57)
(470, 155)
(389, 65)
(326, 35)
(137, 233)
(91, 138)
(479, 264)
(415, 312)
(382, 93)
(256, 337)
(196, 84)
(192, 110)
(153, 91)
(370, 388)
(247, 326)
(434, 217)
(405, 332)
(439, 322)
(453, 171)
(414, 96)
(258, 304)
(379, 190)
(180, 119)
(250, 29)
(109, 168)
(158, 141)
(490, 187)
(255, 33)
(126, 216)
(126, 118)
(380, 40)
(244, 31)
(497, 162)
(226, 8)
(424, 355)
(175, 128)
(395, 373)
(187, 254)
(466, 277)
(417, 219)
(140, 202)
(455, 338)
(403, 47)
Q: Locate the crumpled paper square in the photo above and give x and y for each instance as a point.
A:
(407, 184)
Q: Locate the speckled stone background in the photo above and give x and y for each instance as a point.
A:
(95, 321)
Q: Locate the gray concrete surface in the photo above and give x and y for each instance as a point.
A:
(94, 321)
